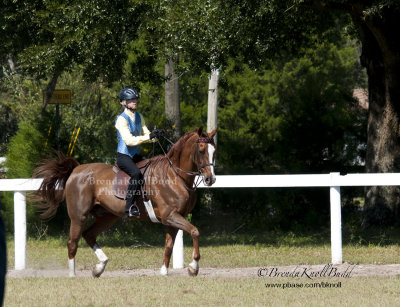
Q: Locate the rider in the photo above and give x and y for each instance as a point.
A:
(131, 132)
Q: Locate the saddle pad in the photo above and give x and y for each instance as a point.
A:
(149, 208)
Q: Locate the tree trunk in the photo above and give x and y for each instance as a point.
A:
(50, 89)
(172, 107)
(381, 57)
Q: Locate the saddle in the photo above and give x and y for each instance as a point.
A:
(121, 179)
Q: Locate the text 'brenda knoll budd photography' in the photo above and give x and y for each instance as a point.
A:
(328, 271)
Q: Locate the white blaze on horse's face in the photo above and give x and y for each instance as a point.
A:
(211, 151)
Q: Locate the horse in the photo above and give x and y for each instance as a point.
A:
(169, 185)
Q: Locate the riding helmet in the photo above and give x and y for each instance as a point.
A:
(128, 93)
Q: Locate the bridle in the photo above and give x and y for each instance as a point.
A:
(207, 141)
(199, 168)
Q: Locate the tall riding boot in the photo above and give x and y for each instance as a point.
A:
(131, 209)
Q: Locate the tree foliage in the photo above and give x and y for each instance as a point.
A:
(258, 30)
(296, 118)
(278, 113)
(53, 36)
(300, 117)
(93, 111)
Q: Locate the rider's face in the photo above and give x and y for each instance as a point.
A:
(132, 103)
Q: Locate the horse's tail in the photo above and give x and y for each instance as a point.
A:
(55, 173)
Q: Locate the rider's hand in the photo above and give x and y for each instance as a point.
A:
(157, 133)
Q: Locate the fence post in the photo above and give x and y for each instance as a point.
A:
(177, 252)
(20, 229)
(336, 222)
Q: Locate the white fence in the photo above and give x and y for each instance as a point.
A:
(333, 180)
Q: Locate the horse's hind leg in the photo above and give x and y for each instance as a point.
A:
(101, 224)
(169, 244)
(79, 202)
(178, 221)
(75, 232)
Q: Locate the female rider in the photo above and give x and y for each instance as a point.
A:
(131, 132)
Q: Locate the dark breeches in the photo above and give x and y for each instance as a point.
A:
(128, 165)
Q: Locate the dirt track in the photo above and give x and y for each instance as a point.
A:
(353, 270)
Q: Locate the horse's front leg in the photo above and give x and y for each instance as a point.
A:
(176, 220)
(169, 244)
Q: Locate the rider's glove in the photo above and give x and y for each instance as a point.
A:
(157, 133)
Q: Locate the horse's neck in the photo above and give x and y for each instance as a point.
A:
(184, 160)
(187, 166)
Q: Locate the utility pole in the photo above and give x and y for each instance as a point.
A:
(212, 114)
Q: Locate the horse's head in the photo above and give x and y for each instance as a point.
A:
(205, 155)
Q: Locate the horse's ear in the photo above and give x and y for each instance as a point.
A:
(213, 133)
(200, 131)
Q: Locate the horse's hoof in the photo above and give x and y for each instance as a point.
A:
(98, 270)
(96, 274)
(164, 271)
(192, 272)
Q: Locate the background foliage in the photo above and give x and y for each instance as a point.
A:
(298, 117)
(293, 113)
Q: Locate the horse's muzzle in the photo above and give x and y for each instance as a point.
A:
(209, 180)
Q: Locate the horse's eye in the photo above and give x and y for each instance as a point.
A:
(202, 152)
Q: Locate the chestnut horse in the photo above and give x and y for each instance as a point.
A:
(169, 183)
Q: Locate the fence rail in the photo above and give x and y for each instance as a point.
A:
(333, 180)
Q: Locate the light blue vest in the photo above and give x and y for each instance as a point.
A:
(135, 128)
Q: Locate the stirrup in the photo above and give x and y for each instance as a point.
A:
(133, 211)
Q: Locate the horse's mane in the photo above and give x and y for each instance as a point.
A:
(176, 150)
(160, 162)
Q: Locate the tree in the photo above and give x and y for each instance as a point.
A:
(297, 116)
(24, 150)
(8, 126)
(381, 57)
(48, 38)
(172, 102)
(259, 30)
(96, 35)
(375, 22)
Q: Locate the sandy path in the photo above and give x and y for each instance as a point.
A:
(273, 271)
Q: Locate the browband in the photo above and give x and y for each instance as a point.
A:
(205, 140)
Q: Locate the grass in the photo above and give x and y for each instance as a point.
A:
(186, 291)
(217, 250)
